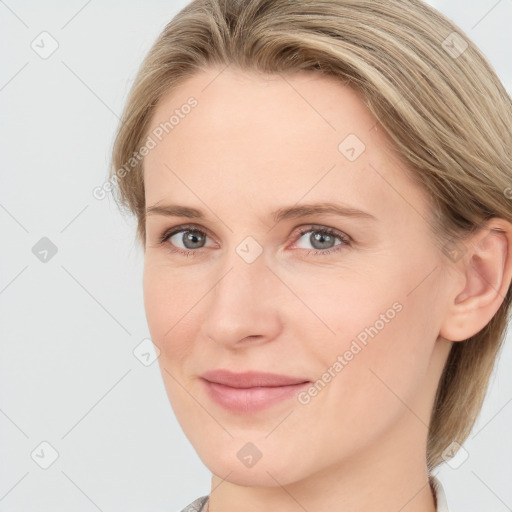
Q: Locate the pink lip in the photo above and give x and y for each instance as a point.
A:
(250, 391)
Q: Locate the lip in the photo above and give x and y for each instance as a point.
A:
(250, 379)
(250, 391)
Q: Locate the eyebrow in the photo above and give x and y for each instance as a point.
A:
(289, 212)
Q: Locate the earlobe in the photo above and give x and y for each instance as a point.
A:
(487, 273)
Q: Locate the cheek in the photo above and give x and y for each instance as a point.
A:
(385, 358)
(376, 352)
(168, 294)
(167, 299)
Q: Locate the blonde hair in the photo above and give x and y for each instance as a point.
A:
(423, 79)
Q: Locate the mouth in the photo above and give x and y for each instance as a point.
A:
(250, 392)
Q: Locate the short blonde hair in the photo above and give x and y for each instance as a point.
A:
(423, 79)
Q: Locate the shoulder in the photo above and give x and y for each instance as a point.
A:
(437, 486)
(201, 504)
(198, 505)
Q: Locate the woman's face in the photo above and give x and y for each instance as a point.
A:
(252, 282)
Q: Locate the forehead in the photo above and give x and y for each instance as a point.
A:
(301, 104)
(274, 139)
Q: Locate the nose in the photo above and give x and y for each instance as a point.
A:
(243, 307)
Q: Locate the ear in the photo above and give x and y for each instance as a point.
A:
(484, 273)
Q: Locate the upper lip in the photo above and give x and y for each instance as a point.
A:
(250, 379)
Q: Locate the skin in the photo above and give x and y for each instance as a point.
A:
(256, 143)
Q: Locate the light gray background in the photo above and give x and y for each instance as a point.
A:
(68, 375)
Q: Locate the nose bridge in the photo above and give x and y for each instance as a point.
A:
(245, 272)
(242, 302)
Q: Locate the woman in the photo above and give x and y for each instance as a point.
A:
(322, 195)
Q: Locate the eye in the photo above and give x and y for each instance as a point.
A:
(191, 238)
(323, 239)
(188, 240)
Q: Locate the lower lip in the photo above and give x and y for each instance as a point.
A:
(248, 400)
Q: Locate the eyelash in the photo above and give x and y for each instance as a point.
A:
(345, 239)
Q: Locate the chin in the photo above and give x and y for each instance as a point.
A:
(252, 464)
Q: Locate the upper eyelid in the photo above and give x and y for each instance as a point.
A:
(185, 227)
